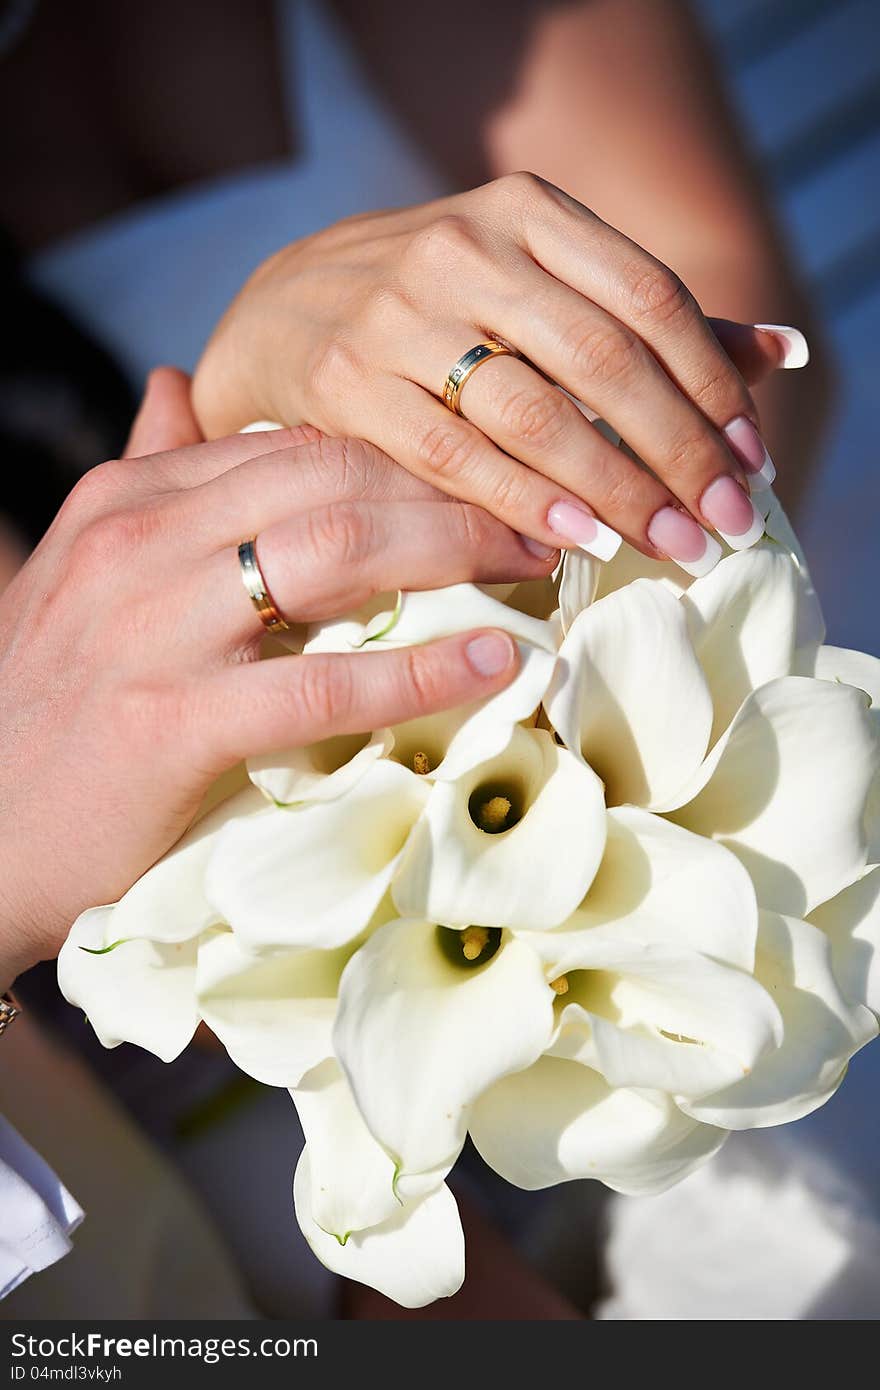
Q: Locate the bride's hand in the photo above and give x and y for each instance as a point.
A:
(355, 329)
(128, 645)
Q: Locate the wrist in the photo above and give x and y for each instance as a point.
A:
(19, 944)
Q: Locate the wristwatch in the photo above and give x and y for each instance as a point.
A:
(8, 1011)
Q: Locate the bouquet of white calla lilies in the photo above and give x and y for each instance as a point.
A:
(627, 905)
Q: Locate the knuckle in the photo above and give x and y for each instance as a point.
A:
(719, 383)
(107, 540)
(325, 692)
(472, 527)
(340, 533)
(600, 353)
(446, 451)
(657, 293)
(93, 491)
(425, 679)
(538, 416)
(688, 451)
(521, 185)
(512, 493)
(345, 463)
(332, 368)
(443, 241)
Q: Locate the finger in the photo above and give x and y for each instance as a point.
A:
(649, 299)
(334, 558)
(187, 466)
(165, 419)
(262, 706)
(532, 420)
(759, 349)
(606, 365)
(457, 458)
(246, 499)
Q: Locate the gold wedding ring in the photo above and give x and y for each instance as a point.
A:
(466, 366)
(252, 578)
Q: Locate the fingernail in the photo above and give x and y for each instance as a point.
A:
(490, 654)
(575, 523)
(538, 548)
(733, 514)
(795, 348)
(677, 535)
(751, 451)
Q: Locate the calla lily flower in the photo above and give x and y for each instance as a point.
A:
(313, 875)
(479, 853)
(428, 1017)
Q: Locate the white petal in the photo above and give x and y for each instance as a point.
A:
(786, 789)
(139, 991)
(274, 1014)
(680, 1023)
(743, 620)
(559, 1120)
(319, 772)
(531, 876)
(314, 875)
(168, 902)
(415, 1257)
(811, 624)
(846, 667)
(822, 1031)
(629, 696)
(578, 584)
(857, 669)
(851, 921)
(663, 885)
(419, 1036)
(354, 1186)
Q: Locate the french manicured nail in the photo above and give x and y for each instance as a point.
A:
(733, 514)
(751, 451)
(490, 654)
(795, 348)
(538, 548)
(575, 523)
(677, 535)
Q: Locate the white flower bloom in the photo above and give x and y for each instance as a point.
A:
(560, 1120)
(414, 1257)
(313, 875)
(422, 1030)
(137, 991)
(480, 853)
(629, 696)
(822, 1030)
(786, 789)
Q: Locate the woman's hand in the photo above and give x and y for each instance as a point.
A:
(355, 329)
(128, 646)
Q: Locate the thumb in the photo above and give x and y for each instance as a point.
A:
(165, 419)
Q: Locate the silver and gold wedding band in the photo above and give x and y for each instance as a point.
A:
(466, 366)
(252, 578)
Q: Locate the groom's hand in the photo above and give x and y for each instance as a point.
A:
(129, 671)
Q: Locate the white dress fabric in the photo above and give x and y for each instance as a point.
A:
(762, 1231)
(39, 1214)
